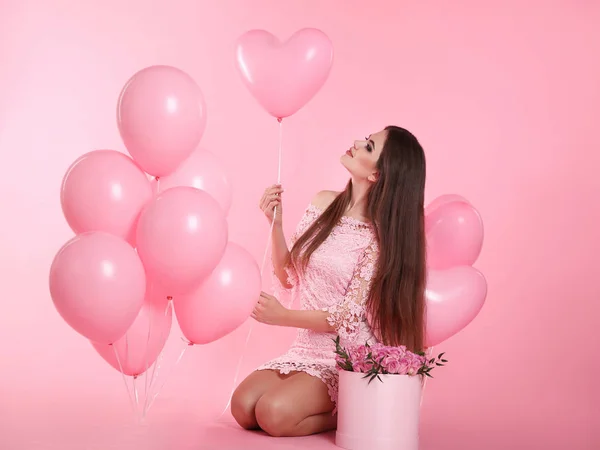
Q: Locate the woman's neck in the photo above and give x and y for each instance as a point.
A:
(358, 202)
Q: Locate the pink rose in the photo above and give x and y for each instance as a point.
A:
(361, 366)
(400, 352)
(392, 363)
(415, 362)
(378, 351)
(358, 358)
(389, 354)
(358, 354)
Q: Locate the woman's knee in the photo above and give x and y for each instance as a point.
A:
(243, 404)
(246, 396)
(274, 415)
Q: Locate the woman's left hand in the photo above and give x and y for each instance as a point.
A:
(269, 310)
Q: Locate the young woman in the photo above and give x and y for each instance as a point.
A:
(357, 267)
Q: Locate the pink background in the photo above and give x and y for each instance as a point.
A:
(504, 97)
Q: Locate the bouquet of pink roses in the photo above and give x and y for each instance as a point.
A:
(376, 359)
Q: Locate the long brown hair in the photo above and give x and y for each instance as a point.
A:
(396, 301)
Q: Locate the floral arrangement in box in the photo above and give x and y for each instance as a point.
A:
(378, 359)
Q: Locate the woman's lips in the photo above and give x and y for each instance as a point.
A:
(349, 153)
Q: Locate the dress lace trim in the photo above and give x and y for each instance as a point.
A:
(324, 372)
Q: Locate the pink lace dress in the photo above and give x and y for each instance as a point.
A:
(337, 280)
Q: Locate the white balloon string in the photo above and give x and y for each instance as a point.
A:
(187, 345)
(126, 347)
(157, 363)
(124, 379)
(262, 269)
(136, 396)
(147, 366)
(280, 151)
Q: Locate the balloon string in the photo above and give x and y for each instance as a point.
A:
(126, 347)
(146, 378)
(136, 396)
(188, 344)
(156, 369)
(280, 151)
(156, 366)
(262, 269)
(237, 371)
(124, 379)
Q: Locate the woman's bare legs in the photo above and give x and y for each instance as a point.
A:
(248, 393)
(296, 406)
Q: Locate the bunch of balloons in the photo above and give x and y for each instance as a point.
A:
(151, 228)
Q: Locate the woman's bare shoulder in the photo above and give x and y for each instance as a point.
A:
(324, 198)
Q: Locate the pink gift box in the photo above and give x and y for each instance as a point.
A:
(380, 415)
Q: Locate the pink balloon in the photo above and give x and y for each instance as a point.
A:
(223, 301)
(454, 297)
(283, 77)
(97, 283)
(161, 116)
(104, 190)
(181, 236)
(201, 170)
(442, 200)
(144, 340)
(454, 235)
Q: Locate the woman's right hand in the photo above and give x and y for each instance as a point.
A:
(270, 204)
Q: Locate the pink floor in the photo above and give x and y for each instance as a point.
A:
(100, 422)
(107, 424)
(57, 420)
(51, 416)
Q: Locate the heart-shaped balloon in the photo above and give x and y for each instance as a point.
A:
(283, 77)
(454, 232)
(442, 200)
(454, 298)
